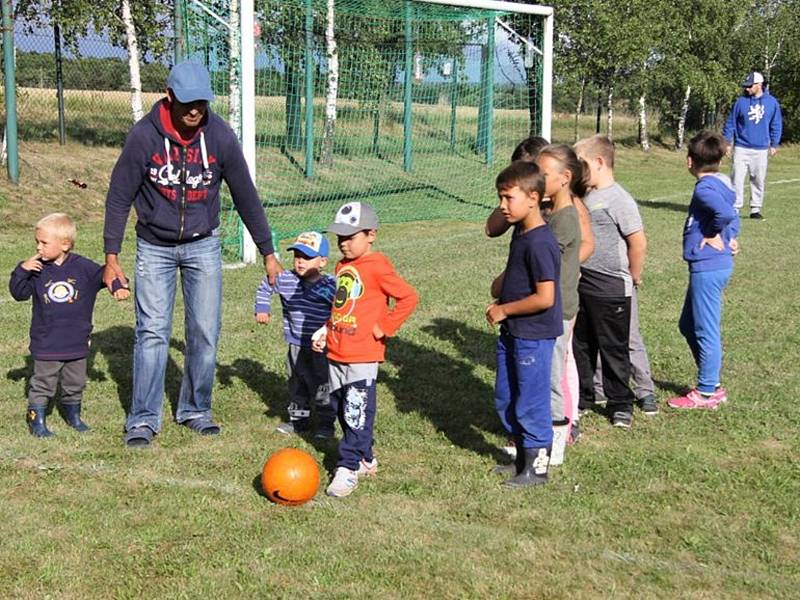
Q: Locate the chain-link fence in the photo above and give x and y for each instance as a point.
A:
(96, 106)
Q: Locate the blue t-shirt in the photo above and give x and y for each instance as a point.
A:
(532, 257)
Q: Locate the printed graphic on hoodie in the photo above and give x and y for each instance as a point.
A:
(60, 291)
(349, 288)
(756, 113)
(196, 174)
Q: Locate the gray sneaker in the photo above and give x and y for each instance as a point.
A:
(343, 484)
(622, 418)
(648, 405)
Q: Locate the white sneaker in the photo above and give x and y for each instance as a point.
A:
(343, 484)
(367, 469)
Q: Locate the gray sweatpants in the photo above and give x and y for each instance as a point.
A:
(753, 162)
(45, 379)
(640, 363)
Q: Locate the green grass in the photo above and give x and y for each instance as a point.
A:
(700, 505)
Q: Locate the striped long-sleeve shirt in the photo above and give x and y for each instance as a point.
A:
(306, 307)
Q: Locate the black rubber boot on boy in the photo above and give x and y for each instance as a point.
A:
(537, 461)
(516, 467)
(72, 415)
(35, 417)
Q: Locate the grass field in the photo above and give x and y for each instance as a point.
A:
(682, 506)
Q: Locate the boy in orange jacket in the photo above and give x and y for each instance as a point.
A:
(355, 336)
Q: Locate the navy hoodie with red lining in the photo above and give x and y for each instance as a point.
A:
(174, 184)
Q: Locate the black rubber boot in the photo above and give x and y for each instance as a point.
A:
(516, 467)
(35, 417)
(72, 415)
(534, 472)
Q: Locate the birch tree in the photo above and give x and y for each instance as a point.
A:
(332, 55)
(133, 61)
(234, 69)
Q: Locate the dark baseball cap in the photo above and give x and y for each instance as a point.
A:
(190, 82)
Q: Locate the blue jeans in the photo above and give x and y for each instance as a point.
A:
(522, 389)
(701, 322)
(157, 267)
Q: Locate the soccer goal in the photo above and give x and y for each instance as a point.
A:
(410, 105)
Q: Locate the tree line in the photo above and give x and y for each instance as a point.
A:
(681, 60)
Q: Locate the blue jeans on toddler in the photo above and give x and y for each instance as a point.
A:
(522, 388)
(701, 323)
(157, 267)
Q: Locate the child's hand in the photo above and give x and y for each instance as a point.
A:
(263, 318)
(734, 244)
(122, 294)
(715, 242)
(319, 339)
(495, 313)
(34, 263)
(377, 332)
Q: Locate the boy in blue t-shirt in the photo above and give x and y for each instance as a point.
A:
(64, 286)
(528, 310)
(709, 245)
(306, 295)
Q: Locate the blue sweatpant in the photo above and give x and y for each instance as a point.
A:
(356, 404)
(701, 322)
(522, 388)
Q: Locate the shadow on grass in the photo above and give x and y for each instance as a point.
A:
(116, 346)
(444, 390)
(26, 373)
(660, 204)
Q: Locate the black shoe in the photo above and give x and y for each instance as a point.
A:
(325, 431)
(35, 418)
(72, 415)
(757, 216)
(139, 437)
(648, 405)
(622, 419)
(534, 472)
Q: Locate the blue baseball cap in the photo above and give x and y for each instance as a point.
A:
(189, 81)
(311, 243)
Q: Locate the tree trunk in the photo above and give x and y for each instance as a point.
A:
(579, 107)
(328, 139)
(682, 119)
(644, 138)
(610, 113)
(133, 61)
(234, 74)
(599, 111)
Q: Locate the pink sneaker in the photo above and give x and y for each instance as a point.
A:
(720, 395)
(695, 400)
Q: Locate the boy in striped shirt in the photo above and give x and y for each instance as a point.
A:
(306, 295)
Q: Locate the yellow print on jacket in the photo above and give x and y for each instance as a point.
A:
(349, 288)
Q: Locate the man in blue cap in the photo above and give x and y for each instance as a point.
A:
(754, 127)
(171, 170)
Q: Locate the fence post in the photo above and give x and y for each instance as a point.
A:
(453, 105)
(309, 77)
(11, 92)
(62, 129)
(409, 51)
(488, 97)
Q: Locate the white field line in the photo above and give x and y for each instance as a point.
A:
(688, 193)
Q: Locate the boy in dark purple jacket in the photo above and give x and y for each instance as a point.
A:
(709, 244)
(64, 287)
(171, 170)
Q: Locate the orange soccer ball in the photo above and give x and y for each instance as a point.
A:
(290, 477)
